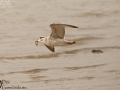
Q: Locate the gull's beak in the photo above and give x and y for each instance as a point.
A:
(39, 40)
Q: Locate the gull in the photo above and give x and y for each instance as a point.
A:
(56, 37)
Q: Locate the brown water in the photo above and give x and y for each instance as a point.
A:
(72, 67)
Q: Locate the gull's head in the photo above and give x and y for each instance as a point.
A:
(41, 39)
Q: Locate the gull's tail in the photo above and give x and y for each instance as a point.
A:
(70, 42)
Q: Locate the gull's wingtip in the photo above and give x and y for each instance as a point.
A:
(75, 27)
(64, 25)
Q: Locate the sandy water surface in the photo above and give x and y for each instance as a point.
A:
(71, 67)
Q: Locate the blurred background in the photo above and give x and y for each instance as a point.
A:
(72, 67)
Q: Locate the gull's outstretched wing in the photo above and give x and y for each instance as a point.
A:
(58, 30)
(51, 48)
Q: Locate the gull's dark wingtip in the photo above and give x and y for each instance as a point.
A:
(75, 27)
(72, 26)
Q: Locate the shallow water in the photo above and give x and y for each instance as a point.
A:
(71, 67)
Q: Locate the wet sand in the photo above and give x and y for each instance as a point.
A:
(71, 67)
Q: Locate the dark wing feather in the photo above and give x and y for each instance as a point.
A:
(66, 25)
(58, 30)
(51, 48)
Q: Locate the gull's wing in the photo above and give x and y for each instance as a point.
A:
(51, 48)
(58, 30)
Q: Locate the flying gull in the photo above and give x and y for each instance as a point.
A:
(56, 38)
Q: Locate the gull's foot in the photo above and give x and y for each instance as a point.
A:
(70, 42)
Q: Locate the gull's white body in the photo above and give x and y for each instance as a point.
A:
(57, 37)
(53, 42)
